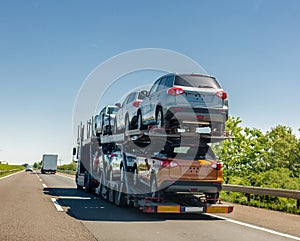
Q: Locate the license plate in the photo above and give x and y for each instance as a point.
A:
(203, 130)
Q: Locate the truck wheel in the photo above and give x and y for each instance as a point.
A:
(87, 183)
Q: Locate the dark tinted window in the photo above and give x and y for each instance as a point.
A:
(197, 81)
(189, 152)
(169, 82)
(111, 110)
(162, 84)
(131, 97)
(141, 96)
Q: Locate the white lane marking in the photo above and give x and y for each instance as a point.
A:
(56, 204)
(11, 174)
(70, 197)
(44, 185)
(72, 178)
(256, 227)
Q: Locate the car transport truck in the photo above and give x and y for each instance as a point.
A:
(151, 170)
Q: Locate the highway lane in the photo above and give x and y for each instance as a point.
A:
(108, 222)
(26, 213)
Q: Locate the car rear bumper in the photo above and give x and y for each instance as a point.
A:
(201, 116)
(192, 186)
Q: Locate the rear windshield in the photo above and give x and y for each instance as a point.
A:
(193, 153)
(141, 96)
(197, 81)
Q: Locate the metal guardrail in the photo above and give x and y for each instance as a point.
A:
(264, 191)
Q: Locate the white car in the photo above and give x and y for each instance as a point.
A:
(28, 168)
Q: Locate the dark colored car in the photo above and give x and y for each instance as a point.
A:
(104, 121)
(126, 117)
(190, 101)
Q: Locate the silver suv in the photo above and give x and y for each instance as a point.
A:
(191, 102)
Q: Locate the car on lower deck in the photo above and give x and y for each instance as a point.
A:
(183, 168)
(188, 101)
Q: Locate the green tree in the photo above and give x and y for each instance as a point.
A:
(283, 149)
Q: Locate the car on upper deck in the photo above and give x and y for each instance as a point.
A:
(126, 116)
(194, 102)
(104, 121)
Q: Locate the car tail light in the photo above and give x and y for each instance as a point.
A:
(216, 165)
(136, 103)
(174, 91)
(169, 164)
(222, 94)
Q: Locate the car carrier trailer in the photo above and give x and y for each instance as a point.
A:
(94, 174)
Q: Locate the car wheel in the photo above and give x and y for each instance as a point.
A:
(140, 125)
(159, 118)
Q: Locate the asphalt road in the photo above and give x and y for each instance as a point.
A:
(27, 213)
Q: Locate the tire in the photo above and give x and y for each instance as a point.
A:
(140, 125)
(87, 183)
(159, 118)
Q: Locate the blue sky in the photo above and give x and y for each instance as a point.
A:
(48, 48)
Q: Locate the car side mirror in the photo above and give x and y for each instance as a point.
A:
(144, 92)
(74, 151)
(118, 105)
